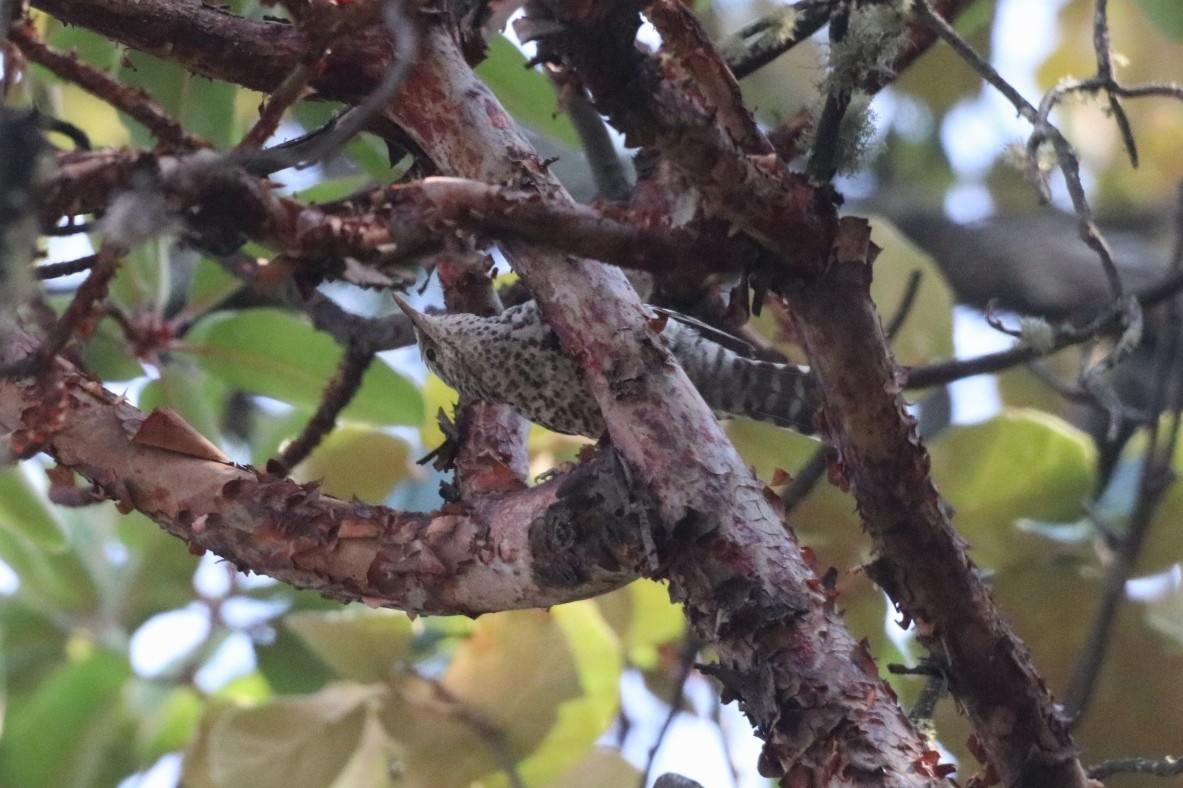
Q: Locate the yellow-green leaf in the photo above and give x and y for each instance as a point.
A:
(301, 742)
(358, 462)
(582, 720)
(543, 681)
(359, 644)
(644, 618)
(600, 768)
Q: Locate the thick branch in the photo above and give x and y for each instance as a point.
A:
(571, 538)
(922, 562)
(222, 201)
(748, 590)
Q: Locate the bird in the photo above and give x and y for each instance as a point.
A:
(515, 359)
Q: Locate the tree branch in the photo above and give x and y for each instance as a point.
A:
(554, 543)
(922, 563)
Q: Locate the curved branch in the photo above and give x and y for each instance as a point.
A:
(554, 543)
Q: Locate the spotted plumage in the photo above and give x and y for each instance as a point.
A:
(515, 359)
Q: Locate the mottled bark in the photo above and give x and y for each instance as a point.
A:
(499, 553)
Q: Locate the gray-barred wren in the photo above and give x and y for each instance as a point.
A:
(516, 359)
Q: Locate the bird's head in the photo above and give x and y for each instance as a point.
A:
(437, 344)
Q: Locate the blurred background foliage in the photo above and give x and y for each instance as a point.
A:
(120, 650)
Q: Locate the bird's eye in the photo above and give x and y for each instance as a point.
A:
(430, 355)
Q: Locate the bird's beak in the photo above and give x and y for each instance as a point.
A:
(417, 319)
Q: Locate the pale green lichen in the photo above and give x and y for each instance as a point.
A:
(781, 24)
(855, 133)
(1038, 333)
(875, 36)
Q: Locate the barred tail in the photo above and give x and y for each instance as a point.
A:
(732, 385)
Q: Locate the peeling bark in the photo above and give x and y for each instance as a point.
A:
(462, 560)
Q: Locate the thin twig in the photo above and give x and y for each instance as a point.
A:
(318, 147)
(337, 395)
(807, 477)
(1167, 766)
(136, 102)
(65, 268)
(948, 371)
(283, 97)
(1157, 474)
(686, 657)
(759, 43)
(1043, 130)
(346, 328)
(80, 310)
(824, 160)
(904, 307)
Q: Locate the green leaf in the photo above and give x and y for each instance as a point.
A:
(358, 462)
(32, 644)
(106, 356)
(526, 93)
(289, 666)
(332, 189)
(98, 51)
(24, 510)
(304, 742)
(194, 395)
(202, 106)
(1166, 15)
(158, 573)
(58, 580)
(287, 663)
(168, 722)
(143, 280)
(1020, 464)
(359, 644)
(274, 353)
(48, 736)
(368, 152)
(209, 286)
